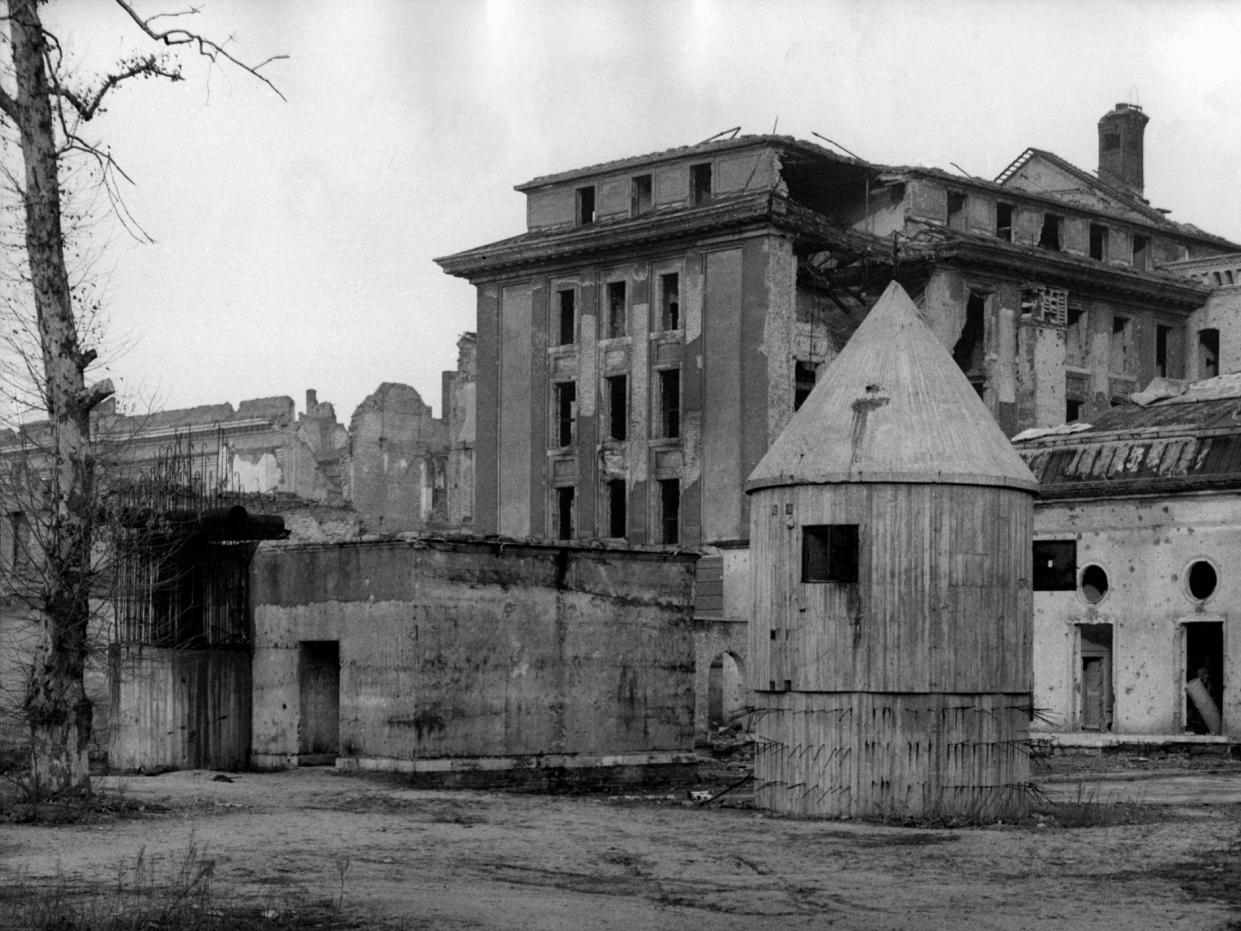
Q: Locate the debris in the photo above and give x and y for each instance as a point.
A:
(220, 777)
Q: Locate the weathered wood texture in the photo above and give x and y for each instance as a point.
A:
(943, 601)
(180, 709)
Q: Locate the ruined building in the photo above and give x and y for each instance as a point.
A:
(649, 335)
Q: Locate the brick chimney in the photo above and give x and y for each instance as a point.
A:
(1120, 146)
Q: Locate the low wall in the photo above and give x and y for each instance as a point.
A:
(472, 650)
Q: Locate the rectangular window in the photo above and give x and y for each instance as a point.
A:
(1098, 242)
(565, 496)
(1076, 335)
(585, 205)
(670, 403)
(1055, 565)
(1208, 353)
(1161, 350)
(1004, 222)
(639, 195)
(566, 411)
(970, 350)
(803, 382)
(618, 406)
(829, 553)
(1141, 252)
(957, 215)
(670, 301)
(617, 507)
(566, 317)
(1049, 236)
(700, 183)
(1072, 410)
(617, 322)
(670, 510)
(1118, 357)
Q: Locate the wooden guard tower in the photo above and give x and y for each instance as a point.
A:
(890, 645)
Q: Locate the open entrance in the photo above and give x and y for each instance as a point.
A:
(725, 691)
(1204, 677)
(1095, 694)
(319, 681)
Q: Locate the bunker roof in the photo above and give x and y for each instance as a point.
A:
(892, 407)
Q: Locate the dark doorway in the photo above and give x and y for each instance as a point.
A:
(1204, 677)
(1095, 688)
(319, 678)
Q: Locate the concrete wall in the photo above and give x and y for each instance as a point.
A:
(477, 650)
(1145, 546)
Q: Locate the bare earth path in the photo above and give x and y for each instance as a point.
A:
(417, 859)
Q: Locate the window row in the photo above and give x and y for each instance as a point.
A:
(1056, 570)
(614, 508)
(564, 326)
(641, 191)
(616, 408)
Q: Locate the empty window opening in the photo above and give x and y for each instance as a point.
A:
(566, 411)
(617, 322)
(1049, 236)
(1204, 677)
(1004, 222)
(1076, 335)
(1098, 242)
(565, 496)
(957, 215)
(1219, 279)
(617, 508)
(803, 382)
(1055, 565)
(1161, 350)
(700, 183)
(1208, 353)
(829, 553)
(566, 317)
(1093, 584)
(670, 301)
(670, 510)
(639, 194)
(970, 351)
(1201, 580)
(618, 407)
(1141, 252)
(585, 205)
(1095, 695)
(670, 403)
(1072, 410)
(1228, 275)
(1118, 359)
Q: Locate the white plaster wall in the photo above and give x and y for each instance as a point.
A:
(1146, 547)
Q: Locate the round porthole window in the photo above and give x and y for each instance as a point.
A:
(1201, 579)
(1094, 584)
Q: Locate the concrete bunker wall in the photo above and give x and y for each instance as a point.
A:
(465, 651)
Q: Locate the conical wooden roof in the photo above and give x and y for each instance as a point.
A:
(892, 407)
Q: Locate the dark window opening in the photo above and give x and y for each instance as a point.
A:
(1204, 676)
(1111, 142)
(956, 210)
(617, 311)
(1118, 359)
(670, 295)
(1072, 410)
(567, 318)
(670, 510)
(700, 183)
(1049, 236)
(566, 412)
(639, 194)
(1141, 252)
(803, 382)
(564, 512)
(1055, 565)
(617, 517)
(1202, 580)
(1094, 584)
(618, 406)
(1004, 222)
(829, 553)
(1208, 353)
(1098, 242)
(1161, 350)
(970, 350)
(1076, 335)
(585, 205)
(670, 403)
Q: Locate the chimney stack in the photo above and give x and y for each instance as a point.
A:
(312, 399)
(1120, 146)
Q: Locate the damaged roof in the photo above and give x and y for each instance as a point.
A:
(1183, 440)
(892, 407)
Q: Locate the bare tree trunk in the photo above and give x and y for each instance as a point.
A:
(57, 709)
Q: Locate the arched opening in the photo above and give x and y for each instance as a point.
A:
(726, 694)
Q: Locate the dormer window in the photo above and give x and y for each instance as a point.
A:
(585, 205)
(700, 183)
(639, 195)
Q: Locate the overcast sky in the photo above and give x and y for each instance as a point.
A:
(294, 240)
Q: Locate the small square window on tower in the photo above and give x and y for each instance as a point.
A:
(829, 553)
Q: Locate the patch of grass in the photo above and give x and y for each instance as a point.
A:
(1089, 809)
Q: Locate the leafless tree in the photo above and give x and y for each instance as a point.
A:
(46, 108)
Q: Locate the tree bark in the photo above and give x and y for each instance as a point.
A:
(57, 709)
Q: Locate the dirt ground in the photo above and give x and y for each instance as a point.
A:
(1165, 852)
